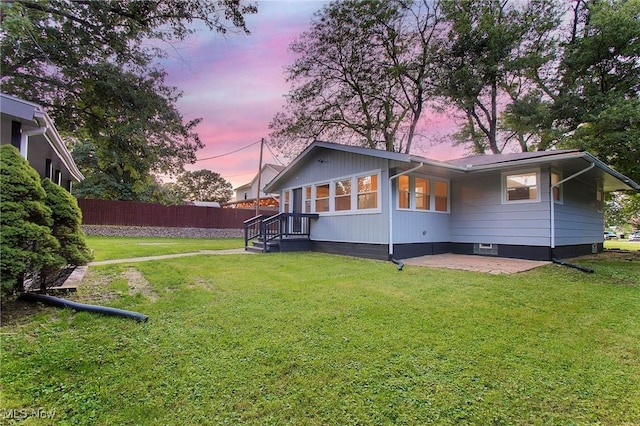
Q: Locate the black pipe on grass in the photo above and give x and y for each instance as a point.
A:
(572, 265)
(397, 262)
(64, 303)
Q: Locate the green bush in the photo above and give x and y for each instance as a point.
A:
(26, 241)
(67, 219)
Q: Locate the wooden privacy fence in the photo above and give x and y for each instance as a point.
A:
(130, 213)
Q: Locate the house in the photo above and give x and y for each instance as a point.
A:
(245, 195)
(386, 205)
(27, 126)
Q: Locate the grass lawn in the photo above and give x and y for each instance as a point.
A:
(107, 248)
(622, 245)
(317, 339)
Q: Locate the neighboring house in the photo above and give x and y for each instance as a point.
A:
(379, 204)
(27, 126)
(246, 194)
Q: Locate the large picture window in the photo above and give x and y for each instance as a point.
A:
(345, 195)
(322, 198)
(368, 192)
(404, 192)
(521, 187)
(307, 199)
(423, 193)
(287, 201)
(441, 191)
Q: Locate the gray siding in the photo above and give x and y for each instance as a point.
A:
(360, 228)
(577, 219)
(357, 227)
(328, 164)
(478, 215)
(477, 212)
(420, 227)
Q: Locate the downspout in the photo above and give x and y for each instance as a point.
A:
(24, 139)
(552, 203)
(391, 207)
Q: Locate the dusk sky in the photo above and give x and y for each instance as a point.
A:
(236, 83)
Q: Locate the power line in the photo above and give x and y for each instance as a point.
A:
(228, 153)
(275, 157)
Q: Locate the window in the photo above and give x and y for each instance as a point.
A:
(521, 187)
(599, 198)
(556, 190)
(424, 193)
(287, 195)
(307, 199)
(404, 192)
(48, 168)
(343, 194)
(441, 196)
(423, 200)
(322, 198)
(368, 192)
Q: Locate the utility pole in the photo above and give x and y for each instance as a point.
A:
(259, 176)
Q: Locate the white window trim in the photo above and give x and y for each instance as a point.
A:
(560, 188)
(520, 172)
(354, 194)
(305, 199)
(599, 190)
(432, 196)
(286, 202)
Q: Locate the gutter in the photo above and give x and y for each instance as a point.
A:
(391, 178)
(552, 203)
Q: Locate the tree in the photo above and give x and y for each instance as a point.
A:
(91, 64)
(613, 136)
(204, 185)
(66, 220)
(362, 75)
(26, 239)
(597, 101)
(622, 209)
(490, 44)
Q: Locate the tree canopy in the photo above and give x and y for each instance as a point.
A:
(204, 185)
(516, 75)
(362, 75)
(91, 64)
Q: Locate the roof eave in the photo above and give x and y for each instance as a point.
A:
(338, 147)
(559, 157)
(58, 145)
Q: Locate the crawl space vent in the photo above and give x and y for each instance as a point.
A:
(485, 249)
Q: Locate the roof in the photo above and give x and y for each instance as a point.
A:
(36, 115)
(481, 160)
(576, 159)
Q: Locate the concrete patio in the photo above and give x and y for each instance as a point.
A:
(490, 265)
